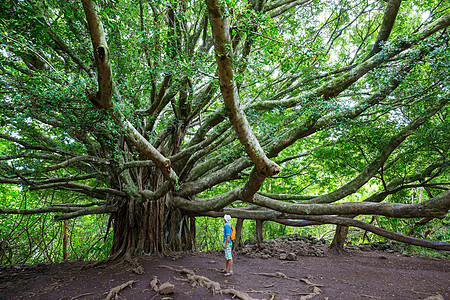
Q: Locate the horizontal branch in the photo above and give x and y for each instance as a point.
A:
(29, 146)
(277, 217)
(202, 205)
(60, 209)
(380, 231)
(373, 167)
(435, 207)
(89, 211)
(73, 160)
(287, 197)
(77, 186)
(160, 192)
(225, 173)
(242, 213)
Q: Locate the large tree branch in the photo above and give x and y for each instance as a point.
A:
(334, 87)
(76, 159)
(372, 168)
(146, 148)
(89, 211)
(201, 144)
(203, 205)
(228, 172)
(215, 141)
(80, 188)
(222, 42)
(60, 43)
(378, 231)
(308, 127)
(287, 197)
(159, 193)
(278, 217)
(70, 211)
(103, 98)
(386, 27)
(436, 207)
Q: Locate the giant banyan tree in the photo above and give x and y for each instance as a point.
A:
(301, 112)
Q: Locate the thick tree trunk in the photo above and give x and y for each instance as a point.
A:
(259, 231)
(178, 232)
(238, 244)
(340, 236)
(150, 228)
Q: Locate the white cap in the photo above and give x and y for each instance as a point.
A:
(227, 218)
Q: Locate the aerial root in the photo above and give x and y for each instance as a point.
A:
(114, 292)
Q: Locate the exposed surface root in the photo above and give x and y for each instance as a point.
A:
(135, 266)
(154, 284)
(212, 286)
(315, 292)
(435, 297)
(164, 289)
(82, 295)
(282, 275)
(114, 292)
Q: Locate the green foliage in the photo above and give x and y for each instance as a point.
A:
(32, 239)
(289, 66)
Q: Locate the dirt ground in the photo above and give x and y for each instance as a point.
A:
(356, 274)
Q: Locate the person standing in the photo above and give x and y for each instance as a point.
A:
(227, 245)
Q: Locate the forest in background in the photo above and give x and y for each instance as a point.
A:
(39, 239)
(129, 124)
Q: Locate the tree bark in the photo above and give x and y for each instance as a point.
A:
(386, 27)
(103, 98)
(238, 244)
(259, 231)
(224, 58)
(340, 237)
(151, 227)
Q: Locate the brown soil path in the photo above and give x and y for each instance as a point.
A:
(354, 275)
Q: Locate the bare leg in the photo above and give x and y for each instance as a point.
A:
(227, 266)
(230, 265)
